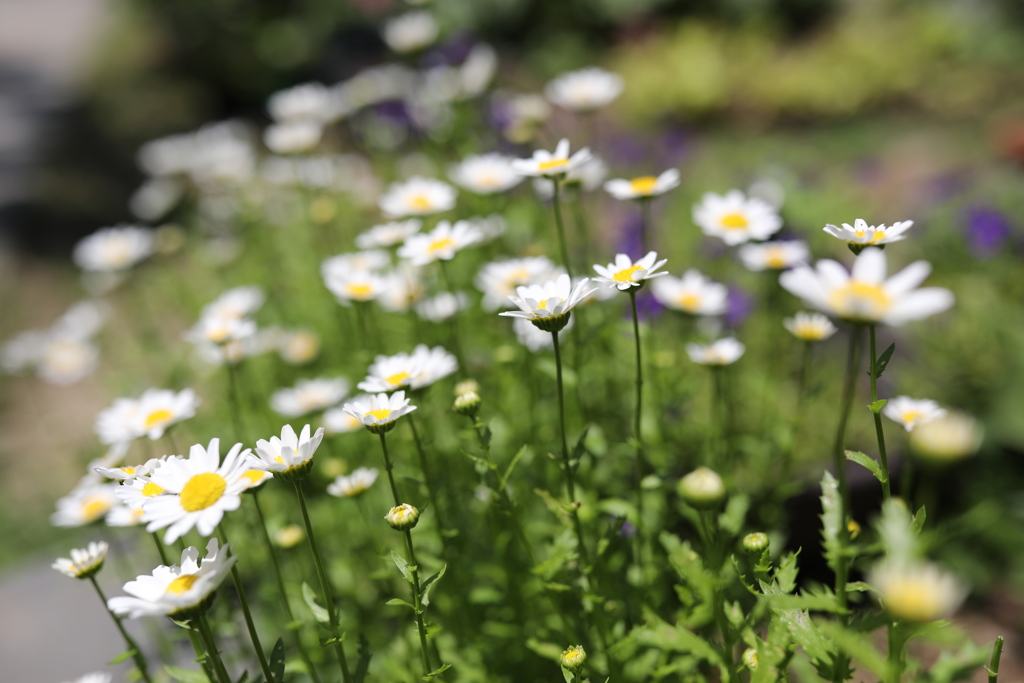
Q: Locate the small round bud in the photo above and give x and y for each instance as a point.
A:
(466, 386)
(749, 657)
(853, 528)
(403, 517)
(467, 404)
(756, 543)
(289, 536)
(573, 658)
(702, 488)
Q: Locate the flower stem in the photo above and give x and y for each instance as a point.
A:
(427, 478)
(641, 463)
(798, 414)
(886, 492)
(236, 577)
(645, 223)
(570, 480)
(421, 628)
(325, 586)
(160, 549)
(388, 466)
(211, 649)
(195, 638)
(456, 337)
(137, 656)
(993, 664)
(303, 652)
(556, 202)
(233, 401)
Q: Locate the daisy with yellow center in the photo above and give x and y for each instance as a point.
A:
(643, 187)
(158, 409)
(354, 484)
(380, 412)
(498, 280)
(89, 502)
(773, 255)
(353, 285)
(549, 305)
(912, 412)
(197, 490)
(485, 173)
(626, 274)
(441, 243)
(291, 455)
(83, 563)
(735, 218)
(917, 593)
(555, 164)
(860, 234)
(810, 327)
(692, 293)
(865, 295)
(417, 197)
(418, 370)
(135, 493)
(388, 234)
(337, 421)
(179, 591)
(951, 437)
(114, 249)
(722, 352)
(584, 90)
(309, 396)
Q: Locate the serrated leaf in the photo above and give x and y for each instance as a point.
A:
(785, 575)
(437, 672)
(806, 601)
(883, 360)
(831, 520)
(123, 657)
(185, 675)
(429, 584)
(363, 665)
(806, 634)
(403, 566)
(319, 613)
(868, 463)
(277, 661)
(503, 482)
(324, 642)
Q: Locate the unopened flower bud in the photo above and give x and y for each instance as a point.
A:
(749, 657)
(289, 536)
(467, 404)
(403, 517)
(573, 658)
(702, 488)
(853, 528)
(756, 543)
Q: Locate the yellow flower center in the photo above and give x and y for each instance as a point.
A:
(643, 185)
(380, 413)
(397, 378)
(775, 257)
(182, 583)
(909, 416)
(253, 476)
(734, 221)
(150, 490)
(689, 302)
(519, 276)
(875, 235)
(94, 507)
(543, 305)
(158, 417)
(626, 275)
(860, 300)
(912, 600)
(553, 165)
(128, 470)
(572, 656)
(809, 332)
(438, 245)
(202, 491)
(359, 290)
(420, 202)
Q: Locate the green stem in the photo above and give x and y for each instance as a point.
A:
(582, 234)
(557, 205)
(895, 657)
(570, 480)
(502, 488)
(798, 414)
(421, 628)
(427, 478)
(993, 664)
(195, 638)
(641, 463)
(137, 656)
(325, 586)
(233, 401)
(886, 492)
(645, 223)
(160, 549)
(721, 451)
(303, 652)
(211, 649)
(456, 337)
(388, 466)
(236, 577)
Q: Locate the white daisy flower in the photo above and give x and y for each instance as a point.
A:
(355, 285)
(491, 227)
(290, 456)
(82, 321)
(235, 303)
(198, 490)
(498, 280)
(83, 563)
(379, 413)
(66, 360)
(440, 244)
(119, 422)
(587, 177)
(736, 219)
(911, 413)
(417, 196)
(158, 409)
(917, 593)
(297, 347)
(114, 249)
(810, 327)
(98, 677)
(865, 295)
(721, 352)
(692, 293)
(774, 255)
(403, 288)
(87, 503)
(624, 273)
(293, 137)
(584, 90)
(388, 234)
(485, 173)
(135, 493)
(410, 32)
(552, 164)
(122, 515)
(643, 187)
(373, 260)
(860, 234)
(354, 484)
(308, 396)
(953, 436)
(128, 473)
(548, 305)
(432, 364)
(217, 330)
(337, 421)
(533, 337)
(306, 102)
(416, 370)
(443, 306)
(176, 590)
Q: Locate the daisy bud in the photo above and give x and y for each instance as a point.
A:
(289, 536)
(573, 658)
(755, 543)
(749, 657)
(403, 517)
(83, 563)
(702, 488)
(853, 528)
(467, 404)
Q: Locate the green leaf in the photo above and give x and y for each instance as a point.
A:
(545, 650)
(806, 634)
(437, 672)
(503, 482)
(244, 677)
(867, 462)
(185, 675)
(324, 642)
(277, 661)
(398, 602)
(363, 665)
(958, 666)
(123, 657)
(319, 613)
(665, 636)
(580, 448)
(858, 586)
(806, 601)
(731, 521)
(917, 524)
(877, 406)
(403, 566)
(857, 646)
(900, 543)
(883, 360)
(429, 584)
(785, 575)
(831, 520)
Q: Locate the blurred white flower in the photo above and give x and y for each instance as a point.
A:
(774, 255)
(403, 287)
(643, 187)
(721, 352)
(309, 395)
(917, 593)
(298, 347)
(417, 197)
(295, 137)
(352, 285)
(477, 71)
(305, 103)
(155, 198)
(911, 413)
(584, 90)
(114, 249)
(416, 370)
(552, 164)
(337, 421)
(692, 293)
(83, 563)
(442, 306)
(736, 219)
(498, 280)
(88, 502)
(953, 436)
(810, 327)
(354, 484)
(411, 31)
(533, 337)
(388, 234)
(485, 173)
(587, 177)
(440, 244)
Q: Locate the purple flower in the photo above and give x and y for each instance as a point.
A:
(741, 305)
(629, 236)
(986, 230)
(675, 147)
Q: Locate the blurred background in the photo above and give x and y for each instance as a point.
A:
(890, 109)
